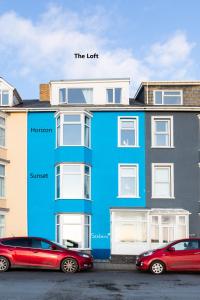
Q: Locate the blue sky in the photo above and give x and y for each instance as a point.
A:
(143, 40)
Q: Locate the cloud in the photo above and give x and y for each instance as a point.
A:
(38, 51)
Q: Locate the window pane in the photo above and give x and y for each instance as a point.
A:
(128, 186)
(162, 190)
(80, 96)
(58, 136)
(158, 97)
(128, 171)
(127, 124)
(71, 169)
(62, 95)
(172, 93)
(181, 231)
(2, 170)
(161, 140)
(5, 98)
(161, 174)
(74, 233)
(87, 237)
(109, 95)
(154, 234)
(130, 233)
(168, 220)
(58, 186)
(117, 95)
(2, 187)
(72, 219)
(182, 220)
(72, 118)
(127, 137)
(161, 126)
(72, 186)
(87, 136)
(172, 100)
(87, 187)
(72, 134)
(2, 121)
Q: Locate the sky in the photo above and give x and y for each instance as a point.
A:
(140, 39)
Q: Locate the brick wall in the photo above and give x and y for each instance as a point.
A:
(44, 92)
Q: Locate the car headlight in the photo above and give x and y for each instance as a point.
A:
(84, 255)
(148, 253)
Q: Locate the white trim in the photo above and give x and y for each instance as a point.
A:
(170, 131)
(82, 173)
(136, 124)
(167, 90)
(137, 180)
(171, 168)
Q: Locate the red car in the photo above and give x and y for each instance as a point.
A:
(181, 255)
(39, 252)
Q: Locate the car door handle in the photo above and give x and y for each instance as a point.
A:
(197, 253)
(35, 251)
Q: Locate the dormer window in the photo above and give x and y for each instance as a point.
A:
(4, 98)
(168, 97)
(75, 96)
(114, 95)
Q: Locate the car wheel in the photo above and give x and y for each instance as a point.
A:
(157, 267)
(4, 264)
(69, 265)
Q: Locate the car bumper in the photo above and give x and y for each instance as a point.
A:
(141, 265)
(86, 264)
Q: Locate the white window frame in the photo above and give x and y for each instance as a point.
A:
(136, 125)
(171, 225)
(163, 92)
(83, 224)
(4, 225)
(128, 165)
(73, 88)
(3, 127)
(162, 165)
(82, 173)
(4, 177)
(1, 94)
(113, 99)
(170, 132)
(82, 123)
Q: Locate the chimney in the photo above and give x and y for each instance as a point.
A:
(44, 92)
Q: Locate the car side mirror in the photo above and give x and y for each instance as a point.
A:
(53, 247)
(171, 249)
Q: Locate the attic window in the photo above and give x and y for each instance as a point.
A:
(168, 97)
(4, 98)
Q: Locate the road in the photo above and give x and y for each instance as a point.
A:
(118, 285)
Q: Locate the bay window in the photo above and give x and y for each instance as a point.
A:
(2, 181)
(73, 181)
(73, 230)
(73, 129)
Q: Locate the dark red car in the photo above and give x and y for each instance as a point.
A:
(181, 255)
(39, 252)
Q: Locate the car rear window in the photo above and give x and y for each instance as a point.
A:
(18, 242)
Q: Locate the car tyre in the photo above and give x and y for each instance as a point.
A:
(157, 267)
(4, 264)
(69, 265)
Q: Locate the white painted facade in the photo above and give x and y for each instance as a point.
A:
(99, 87)
(13, 96)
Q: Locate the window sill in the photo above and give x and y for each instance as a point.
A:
(120, 146)
(57, 147)
(3, 147)
(2, 198)
(129, 197)
(163, 198)
(66, 199)
(163, 147)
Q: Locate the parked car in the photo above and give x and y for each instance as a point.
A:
(39, 252)
(180, 255)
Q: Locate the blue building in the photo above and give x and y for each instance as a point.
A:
(86, 165)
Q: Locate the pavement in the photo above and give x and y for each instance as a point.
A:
(107, 265)
(22, 284)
